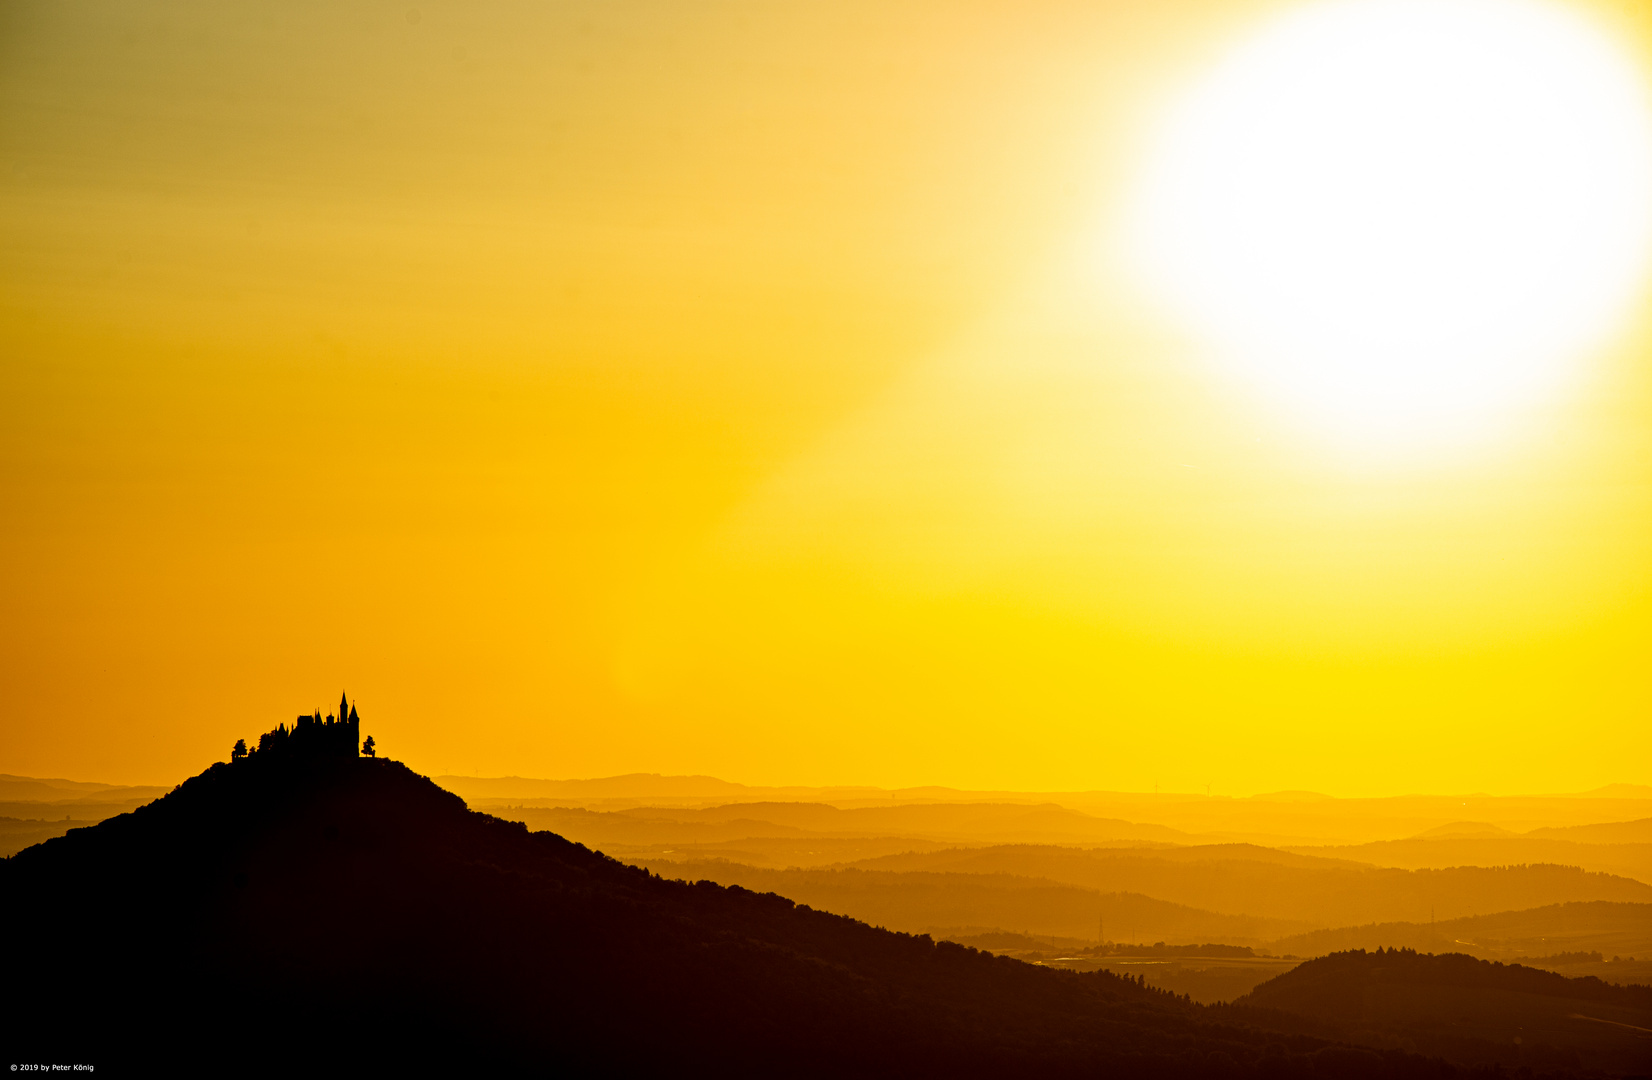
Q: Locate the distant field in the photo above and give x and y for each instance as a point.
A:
(1205, 973)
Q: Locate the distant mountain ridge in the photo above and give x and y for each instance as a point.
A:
(1620, 791)
(1614, 832)
(1602, 926)
(1213, 893)
(943, 903)
(699, 783)
(34, 809)
(950, 822)
(1465, 829)
(1242, 879)
(1589, 847)
(1275, 819)
(37, 789)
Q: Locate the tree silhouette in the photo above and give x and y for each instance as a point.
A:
(240, 750)
(367, 747)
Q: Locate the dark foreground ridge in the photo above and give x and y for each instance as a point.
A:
(295, 912)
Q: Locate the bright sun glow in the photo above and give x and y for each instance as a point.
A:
(1404, 218)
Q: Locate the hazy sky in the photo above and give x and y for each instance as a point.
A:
(733, 388)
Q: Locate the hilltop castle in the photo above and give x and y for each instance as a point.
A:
(311, 736)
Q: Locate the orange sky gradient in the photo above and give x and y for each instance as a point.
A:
(607, 387)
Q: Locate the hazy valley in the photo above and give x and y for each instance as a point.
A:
(1063, 878)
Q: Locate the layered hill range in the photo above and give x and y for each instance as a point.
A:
(1550, 881)
(301, 911)
(32, 810)
(304, 909)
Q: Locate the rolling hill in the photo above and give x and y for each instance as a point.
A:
(1602, 926)
(1470, 1011)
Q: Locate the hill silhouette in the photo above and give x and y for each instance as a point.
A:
(293, 911)
(1470, 1011)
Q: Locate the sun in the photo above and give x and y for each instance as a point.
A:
(1406, 220)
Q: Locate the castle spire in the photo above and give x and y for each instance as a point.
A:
(343, 706)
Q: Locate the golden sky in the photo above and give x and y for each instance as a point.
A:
(730, 388)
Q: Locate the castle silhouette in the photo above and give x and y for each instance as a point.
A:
(312, 736)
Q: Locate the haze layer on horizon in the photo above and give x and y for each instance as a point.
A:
(603, 388)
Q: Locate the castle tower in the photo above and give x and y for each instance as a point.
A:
(352, 730)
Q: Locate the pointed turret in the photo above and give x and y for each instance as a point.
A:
(343, 706)
(353, 732)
